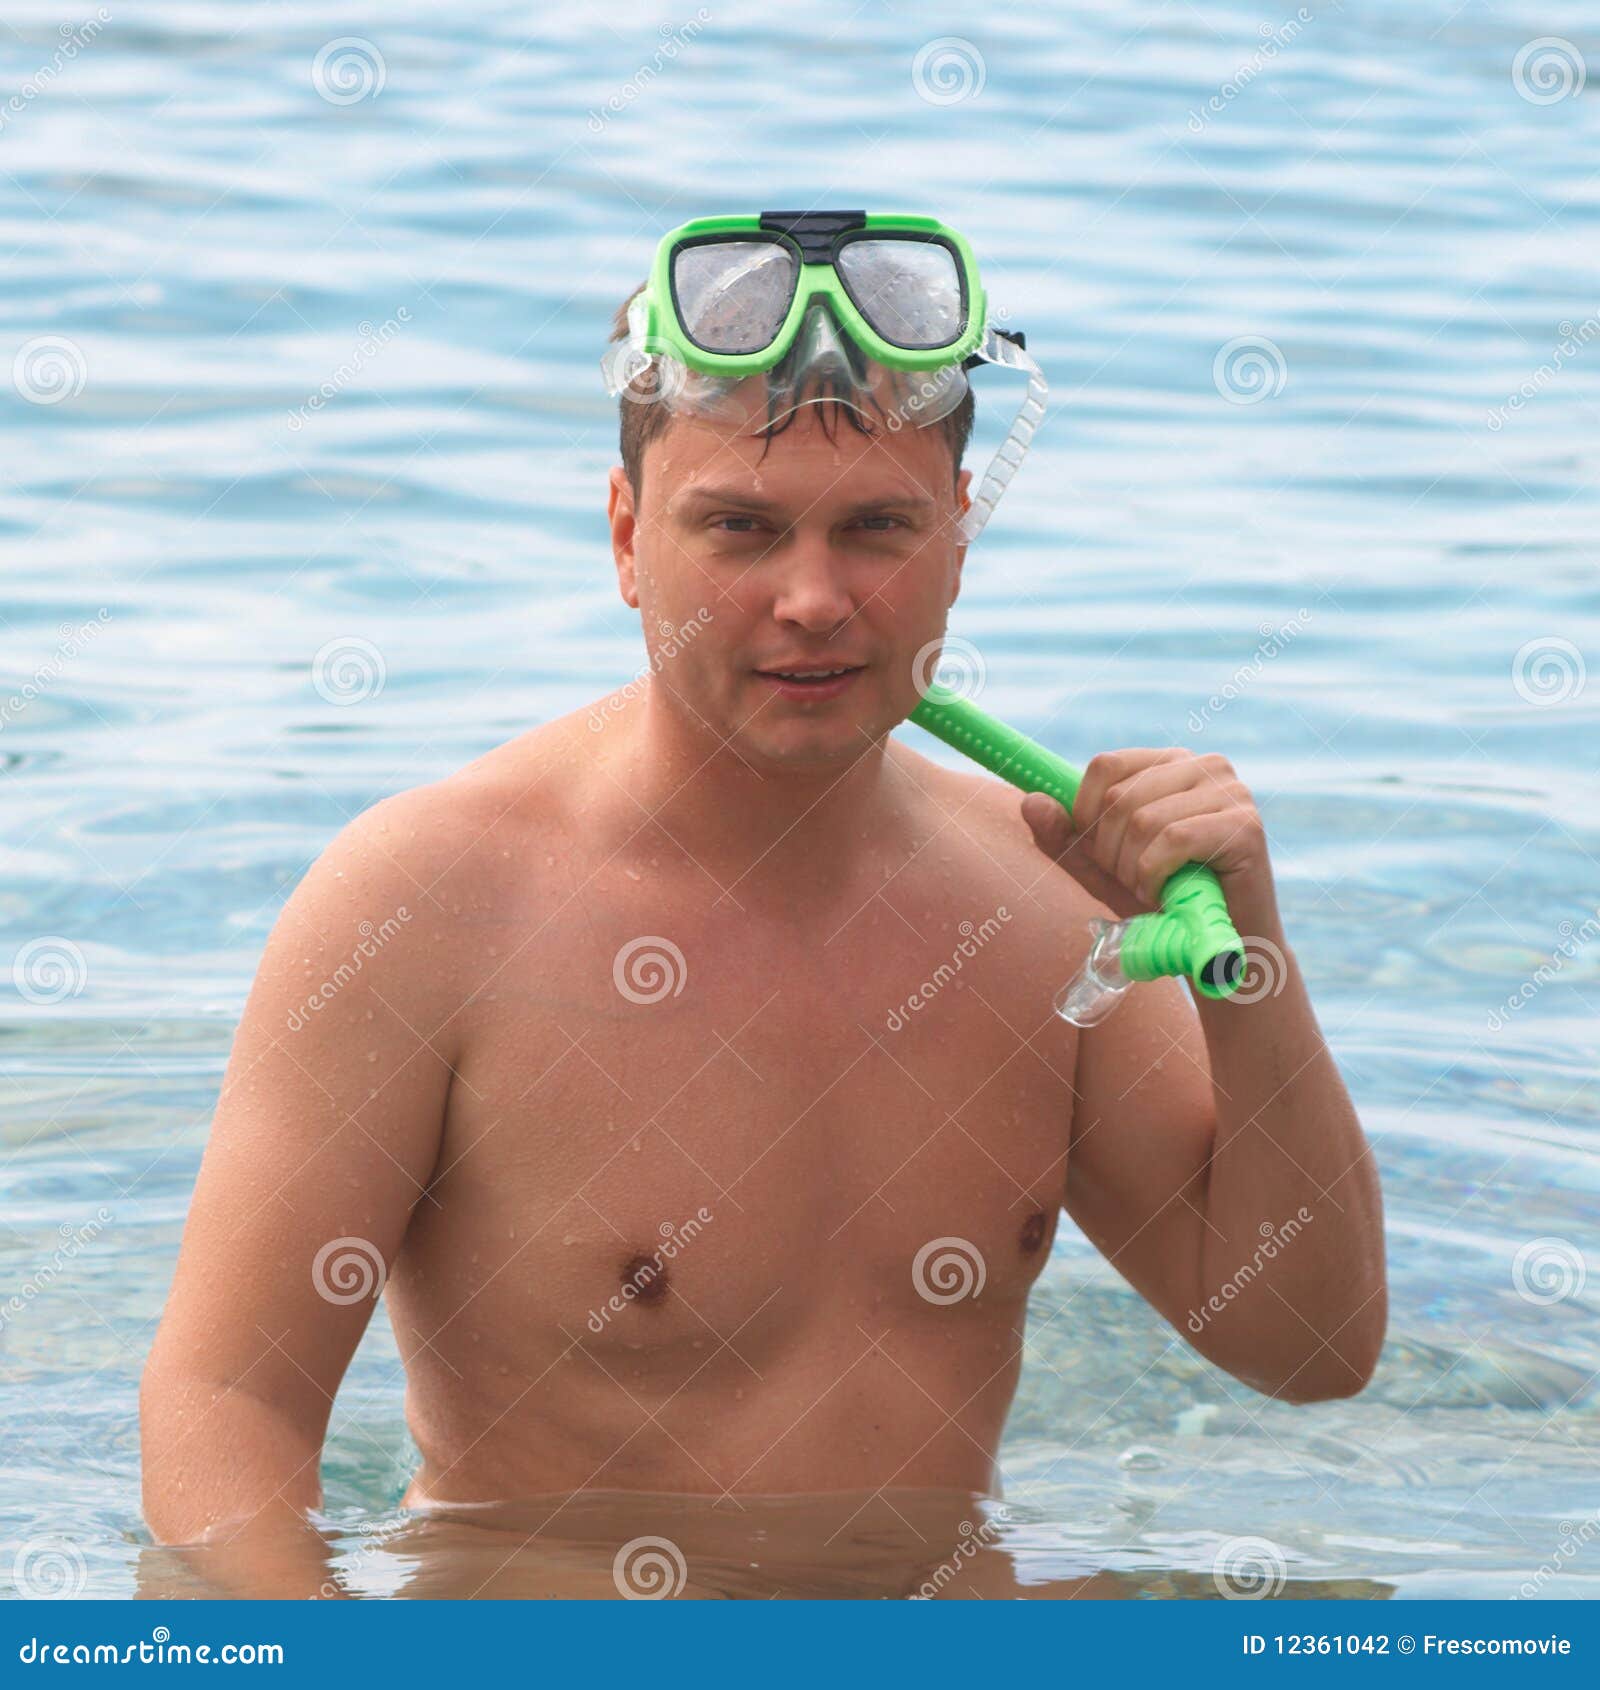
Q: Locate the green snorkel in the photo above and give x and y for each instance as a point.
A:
(887, 313)
(1192, 936)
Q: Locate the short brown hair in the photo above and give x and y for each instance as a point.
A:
(641, 423)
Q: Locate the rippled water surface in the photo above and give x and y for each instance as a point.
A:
(1398, 466)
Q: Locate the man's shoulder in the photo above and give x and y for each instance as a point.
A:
(462, 834)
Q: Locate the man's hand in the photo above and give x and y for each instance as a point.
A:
(1141, 815)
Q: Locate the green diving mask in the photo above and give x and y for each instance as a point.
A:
(746, 318)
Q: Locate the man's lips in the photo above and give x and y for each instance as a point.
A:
(811, 681)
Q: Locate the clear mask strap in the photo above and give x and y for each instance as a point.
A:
(996, 349)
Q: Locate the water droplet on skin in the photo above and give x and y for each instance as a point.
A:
(571, 1238)
(503, 1368)
(372, 1056)
(697, 1344)
(632, 874)
(738, 1395)
(549, 862)
(494, 950)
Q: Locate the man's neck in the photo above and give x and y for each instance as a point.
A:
(759, 827)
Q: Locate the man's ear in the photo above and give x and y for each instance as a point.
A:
(963, 505)
(624, 527)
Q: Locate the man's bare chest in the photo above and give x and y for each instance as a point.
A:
(707, 1118)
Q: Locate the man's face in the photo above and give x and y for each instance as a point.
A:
(746, 557)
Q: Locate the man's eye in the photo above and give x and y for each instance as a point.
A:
(883, 524)
(735, 524)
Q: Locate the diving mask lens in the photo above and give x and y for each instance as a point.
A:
(911, 292)
(732, 296)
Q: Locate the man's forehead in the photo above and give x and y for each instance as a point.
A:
(804, 462)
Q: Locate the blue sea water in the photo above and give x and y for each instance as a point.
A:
(298, 384)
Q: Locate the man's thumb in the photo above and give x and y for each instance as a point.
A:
(1051, 825)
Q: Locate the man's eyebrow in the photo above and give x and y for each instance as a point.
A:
(740, 498)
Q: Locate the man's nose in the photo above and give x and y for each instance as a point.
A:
(814, 588)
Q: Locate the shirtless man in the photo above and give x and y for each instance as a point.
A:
(612, 1060)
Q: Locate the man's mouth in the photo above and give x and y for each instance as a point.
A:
(812, 680)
